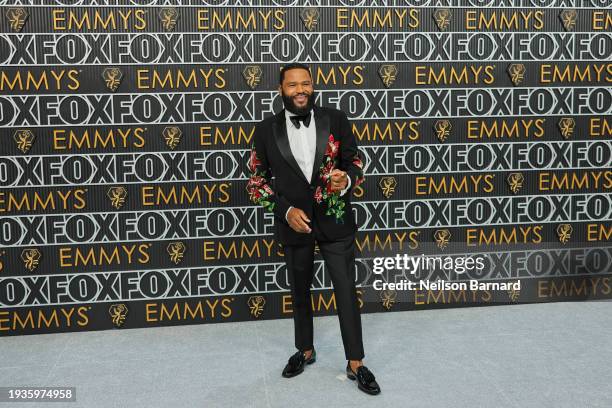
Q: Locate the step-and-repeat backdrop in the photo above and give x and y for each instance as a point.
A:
(485, 127)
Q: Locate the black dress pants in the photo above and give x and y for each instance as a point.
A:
(339, 259)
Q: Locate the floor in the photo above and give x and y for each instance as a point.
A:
(542, 355)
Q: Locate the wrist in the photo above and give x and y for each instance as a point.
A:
(287, 213)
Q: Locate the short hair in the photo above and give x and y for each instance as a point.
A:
(293, 65)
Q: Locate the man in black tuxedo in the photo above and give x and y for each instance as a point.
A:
(312, 153)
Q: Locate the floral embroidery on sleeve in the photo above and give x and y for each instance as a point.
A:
(335, 205)
(359, 164)
(258, 186)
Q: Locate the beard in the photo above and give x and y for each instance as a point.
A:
(293, 108)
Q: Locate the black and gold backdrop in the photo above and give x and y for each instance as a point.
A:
(484, 126)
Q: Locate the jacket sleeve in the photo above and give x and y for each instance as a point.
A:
(350, 157)
(258, 186)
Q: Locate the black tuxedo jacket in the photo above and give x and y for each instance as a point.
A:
(271, 157)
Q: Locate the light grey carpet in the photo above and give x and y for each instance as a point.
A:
(545, 355)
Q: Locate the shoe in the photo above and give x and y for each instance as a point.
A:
(366, 381)
(296, 363)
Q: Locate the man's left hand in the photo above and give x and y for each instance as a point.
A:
(339, 180)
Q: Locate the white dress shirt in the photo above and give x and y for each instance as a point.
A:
(303, 144)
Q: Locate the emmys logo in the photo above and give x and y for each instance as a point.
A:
(172, 136)
(30, 258)
(117, 196)
(112, 78)
(256, 305)
(387, 185)
(118, 314)
(388, 298)
(442, 128)
(568, 18)
(514, 294)
(442, 238)
(566, 127)
(168, 16)
(442, 18)
(176, 250)
(24, 139)
(17, 18)
(515, 181)
(388, 74)
(252, 75)
(517, 73)
(564, 232)
(310, 18)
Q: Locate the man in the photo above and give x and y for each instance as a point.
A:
(312, 153)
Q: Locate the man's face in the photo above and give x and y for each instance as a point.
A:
(297, 91)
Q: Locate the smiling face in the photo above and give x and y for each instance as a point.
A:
(297, 91)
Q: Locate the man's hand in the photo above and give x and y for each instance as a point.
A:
(339, 180)
(298, 220)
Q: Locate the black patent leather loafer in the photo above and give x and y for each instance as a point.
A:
(366, 381)
(297, 362)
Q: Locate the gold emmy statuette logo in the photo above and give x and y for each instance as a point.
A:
(568, 18)
(176, 250)
(442, 238)
(515, 181)
(24, 139)
(17, 18)
(168, 16)
(112, 78)
(564, 231)
(514, 294)
(252, 75)
(388, 298)
(566, 127)
(310, 17)
(442, 18)
(30, 258)
(256, 305)
(388, 74)
(387, 185)
(117, 196)
(172, 136)
(118, 314)
(517, 73)
(442, 128)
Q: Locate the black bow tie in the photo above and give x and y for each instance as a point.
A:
(302, 118)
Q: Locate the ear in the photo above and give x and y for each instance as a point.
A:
(280, 89)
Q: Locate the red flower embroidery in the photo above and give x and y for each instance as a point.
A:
(267, 189)
(256, 181)
(326, 170)
(318, 195)
(253, 161)
(254, 195)
(335, 206)
(258, 189)
(359, 164)
(332, 147)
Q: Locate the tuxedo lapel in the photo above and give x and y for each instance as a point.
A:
(323, 130)
(282, 141)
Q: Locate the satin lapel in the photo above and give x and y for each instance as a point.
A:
(322, 124)
(282, 141)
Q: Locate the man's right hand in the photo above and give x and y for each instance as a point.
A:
(298, 220)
